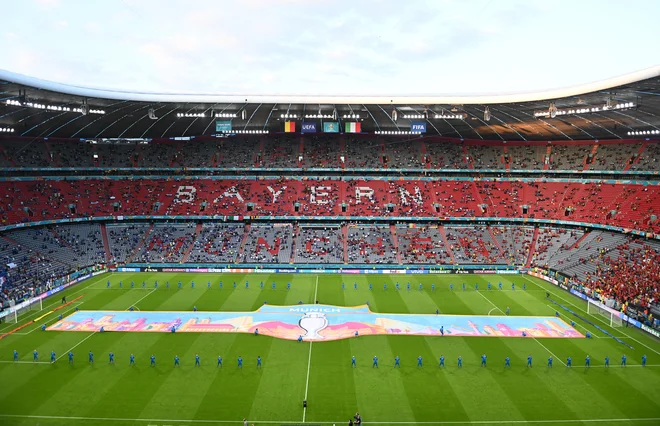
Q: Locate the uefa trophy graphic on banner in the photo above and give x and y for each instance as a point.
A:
(312, 323)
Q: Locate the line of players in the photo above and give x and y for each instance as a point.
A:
(397, 360)
(288, 285)
(192, 285)
(152, 359)
(507, 361)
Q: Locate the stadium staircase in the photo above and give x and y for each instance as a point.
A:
(294, 243)
(496, 242)
(381, 154)
(395, 241)
(60, 239)
(443, 234)
(177, 155)
(477, 195)
(344, 233)
(136, 159)
(532, 247)
(56, 155)
(639, 154)
(424, 153)
(243, 240)
(8, 157)
(262, 154)
(301, 153)
(106, 242)
(95, 151)
(582, 238)
(594, 150)
(503, 159)
(11, 240)
(342, 146)
(186, 255)
(466, 155)
(548, 156)
(141, 243)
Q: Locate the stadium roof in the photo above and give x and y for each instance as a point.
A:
(611, 109)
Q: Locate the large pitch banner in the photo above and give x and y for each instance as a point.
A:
(308, 127)
(418, 127)
(331, 127)
(223, 126)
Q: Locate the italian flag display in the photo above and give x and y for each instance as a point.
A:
(353, 127)
(289, 126)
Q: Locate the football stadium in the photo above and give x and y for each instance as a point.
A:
(289, 258)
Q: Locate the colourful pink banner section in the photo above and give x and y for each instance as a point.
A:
(317, 323)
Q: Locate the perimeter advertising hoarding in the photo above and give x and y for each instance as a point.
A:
(331, 127)
(223, 126)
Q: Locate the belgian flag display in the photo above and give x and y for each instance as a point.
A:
(289, 126)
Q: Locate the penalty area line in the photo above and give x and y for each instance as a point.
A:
(550, 352)
(590, 315)
(489, 301)
(74, 346)
(576, 324)
(85, 287)
(83, 340)
(134, 305)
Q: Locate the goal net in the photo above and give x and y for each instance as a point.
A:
(597, 308)
(18, 312)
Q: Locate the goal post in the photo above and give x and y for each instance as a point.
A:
(17, 312)
(611, 315)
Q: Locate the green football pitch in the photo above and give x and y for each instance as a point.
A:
(102, 394)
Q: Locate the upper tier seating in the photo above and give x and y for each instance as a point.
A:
(324, 151)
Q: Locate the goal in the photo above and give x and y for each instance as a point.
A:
(611, 315)
(16, 313)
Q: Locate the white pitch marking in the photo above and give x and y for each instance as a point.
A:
(549, 351)
(544, 347)
(595, 317)
(75, 346)
(39, 327)
(576, 324)
(309, 357)
(142, 298)
(54, 303)
(488, 300)
(465, 422)
(83, 340)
